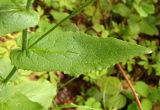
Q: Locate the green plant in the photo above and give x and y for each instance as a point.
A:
(74, 53)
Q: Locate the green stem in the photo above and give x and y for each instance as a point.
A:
(65, 84)
(104, 98)
(56, 106)
(29, 2)
(24, 36)
(10, 75)
(59, 23)
(24, 39)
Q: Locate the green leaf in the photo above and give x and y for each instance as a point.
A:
(146, 104)
(154, 95)
(74, 52)
(148, 28)
(133, 106)
(58, 16)
(11, 99)
(21, 102)
(94, 92)
(40, 92)
(5, 67)
(148, 8)
(12, 4)
(105, 5)
(90, 104)
(144, 9)
(142, 88)
(121, 9)
(140, 10)
(111, 85)
(35, 94)
(14, 17)
(134, 27)
(116, 101)
(93, 103)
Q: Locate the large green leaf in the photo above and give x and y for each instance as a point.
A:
(74, 52)
(11, 99)
(40, 92)
(20, 102)
(36, 95)
(14, 17)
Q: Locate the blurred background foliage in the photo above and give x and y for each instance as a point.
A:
(135, 21)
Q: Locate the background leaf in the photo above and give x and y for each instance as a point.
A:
(11, 99)
(21, 102)
(40, 92)
(146, 104)
(142, 88)
(117, 101)
(121, 9)
(14, 17)
(27, 96)
(111, 85)
(5, 67)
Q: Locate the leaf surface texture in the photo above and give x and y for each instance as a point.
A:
(74, 52)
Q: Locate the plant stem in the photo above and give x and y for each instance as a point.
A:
(24, 36)
(56, 106)
(59, 23)
(10, 75)
(24, 39)
(65, 84)
(29, 2)
(131, 86)
(104, 99)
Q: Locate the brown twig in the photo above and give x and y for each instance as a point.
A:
(131, 86)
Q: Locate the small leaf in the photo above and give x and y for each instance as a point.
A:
(93, 103)
(74, 52)
(146, 104)
(148, 8)
(14, 17)
(148, 28)
(154, 95)
(116, 101)
(142, 88)
(134, 27)
(5, 67)
(90, 104)
(121, 9)
(133, 106)
(144, 9)
(110, 85)
(140, 10)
